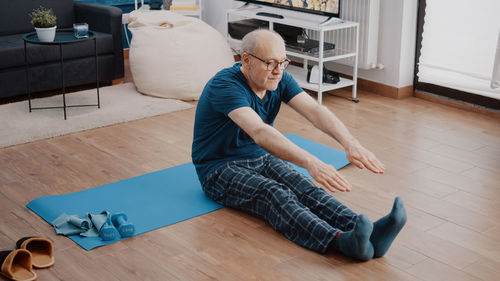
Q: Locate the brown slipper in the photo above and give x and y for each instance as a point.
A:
(16, 265)
(41, 249)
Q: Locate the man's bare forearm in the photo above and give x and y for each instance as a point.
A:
(322, 118)
(280, 146)
(328, 123)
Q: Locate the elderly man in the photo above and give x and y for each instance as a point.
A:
(241, 160)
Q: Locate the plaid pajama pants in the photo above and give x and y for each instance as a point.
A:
(271, 189)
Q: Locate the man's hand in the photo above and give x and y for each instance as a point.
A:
(361, 158)
(327, 122)
(327, 176)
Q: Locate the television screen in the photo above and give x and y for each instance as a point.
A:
(323, 7)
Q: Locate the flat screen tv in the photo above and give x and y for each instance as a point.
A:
(330, 8)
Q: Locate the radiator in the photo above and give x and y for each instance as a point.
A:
(366, 13)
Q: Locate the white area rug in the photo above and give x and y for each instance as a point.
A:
(119, 103)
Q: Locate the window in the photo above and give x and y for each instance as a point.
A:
(456, 48)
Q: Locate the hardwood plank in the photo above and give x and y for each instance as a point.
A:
(179, 259)
(486, 135)
(454, 138)
(400, 163)
(427, 186)
(489, 151)
(270, 246)
(372, 270)
(193, 266)
(76, 265)
(486, 160)
(11, 203)
(431, 270)
(485, 268)
(432, 159)
(9, 172)
(487, 207)
(380, 205)
(129, 264)
(402, 257)
(490, 177)
(311, 266)
(407, 137)
(75, 147)
(439, 116)
(469, 239)
(493, 233)
(446, 210)
(436, 247)
(474, 186)
(424, 211)
(249, 268)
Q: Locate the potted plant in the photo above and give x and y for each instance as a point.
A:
(44, 21)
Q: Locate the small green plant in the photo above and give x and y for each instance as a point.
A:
(43, 17)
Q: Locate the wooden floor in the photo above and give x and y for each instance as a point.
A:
(444, 163)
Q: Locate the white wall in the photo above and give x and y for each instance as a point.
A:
(396, 42)
(214, 12)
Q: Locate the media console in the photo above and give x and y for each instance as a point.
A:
(290, 34)
(317, 50)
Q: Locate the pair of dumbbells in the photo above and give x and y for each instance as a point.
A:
(116, 224)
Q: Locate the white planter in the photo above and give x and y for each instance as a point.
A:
(46, 34)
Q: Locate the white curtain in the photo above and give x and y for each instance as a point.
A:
(495, 78)
(459, 44)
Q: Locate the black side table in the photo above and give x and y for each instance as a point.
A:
(63, 37)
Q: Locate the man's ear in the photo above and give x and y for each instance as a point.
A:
(245, 59)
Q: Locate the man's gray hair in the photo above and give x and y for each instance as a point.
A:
(250, 43)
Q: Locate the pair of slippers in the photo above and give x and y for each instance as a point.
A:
(31, 252)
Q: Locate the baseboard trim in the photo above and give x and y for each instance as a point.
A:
(408, 91)
(117, 81)
(385, 90)
(381, 89)
(458, 104)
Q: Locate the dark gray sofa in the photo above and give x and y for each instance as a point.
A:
(79, 65)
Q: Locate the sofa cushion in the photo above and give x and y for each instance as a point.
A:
(14, 15)
(12, 50)
(45, 77)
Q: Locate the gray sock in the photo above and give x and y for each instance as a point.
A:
(356, 243)
(387, 228)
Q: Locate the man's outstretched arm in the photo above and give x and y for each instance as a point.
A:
(322, 118)
(277, 144)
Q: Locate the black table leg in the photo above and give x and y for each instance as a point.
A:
(62, 80)
(97, 73)
(27, 74)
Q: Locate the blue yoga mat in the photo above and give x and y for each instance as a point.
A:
(153, 200)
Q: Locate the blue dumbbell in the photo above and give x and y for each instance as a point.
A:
(125, 228)
(104, 226)
(108, 231)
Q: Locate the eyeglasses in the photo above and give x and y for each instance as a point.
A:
(271, 65)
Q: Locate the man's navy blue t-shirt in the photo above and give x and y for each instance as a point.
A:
(217, 139)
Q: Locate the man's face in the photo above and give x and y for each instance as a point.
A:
(269, 51)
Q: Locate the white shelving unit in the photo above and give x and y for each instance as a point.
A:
(312, 23)
(192, 13)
